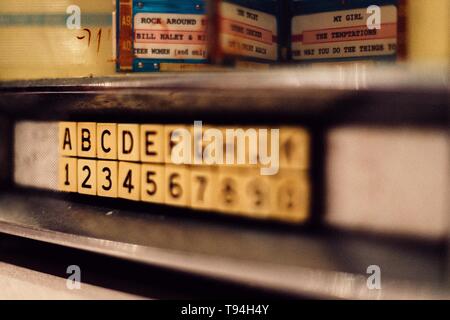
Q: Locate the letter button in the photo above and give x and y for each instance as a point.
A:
(86, 136)
(128, 146)
(107, 141)
(68, 139)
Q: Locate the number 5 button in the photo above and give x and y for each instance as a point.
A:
(107, 178)
(152, 185)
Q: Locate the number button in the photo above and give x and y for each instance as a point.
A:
(67, 174)
(229, 193)
(256, 200)
(107, 178)
(177, 185)
(153, 183)
(87, 177)
(203, 183)
(291, 196)
(129, 180)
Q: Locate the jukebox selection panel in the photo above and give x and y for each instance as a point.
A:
(260, 172)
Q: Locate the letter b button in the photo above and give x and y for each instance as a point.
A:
(86, 139)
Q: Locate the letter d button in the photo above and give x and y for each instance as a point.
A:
(128, 138)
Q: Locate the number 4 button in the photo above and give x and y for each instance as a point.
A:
(129, 180)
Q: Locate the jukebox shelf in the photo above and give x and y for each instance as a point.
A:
(304, 263)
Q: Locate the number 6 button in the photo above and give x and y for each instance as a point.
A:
(177, 185)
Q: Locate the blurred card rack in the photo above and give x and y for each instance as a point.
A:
(156, 35)
(245, 33)
(379, 177)
(332, 31)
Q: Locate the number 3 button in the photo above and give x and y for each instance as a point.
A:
(107, 179)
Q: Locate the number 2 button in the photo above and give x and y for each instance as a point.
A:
(87, 178)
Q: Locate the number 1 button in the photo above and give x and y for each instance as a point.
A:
(68, 174)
